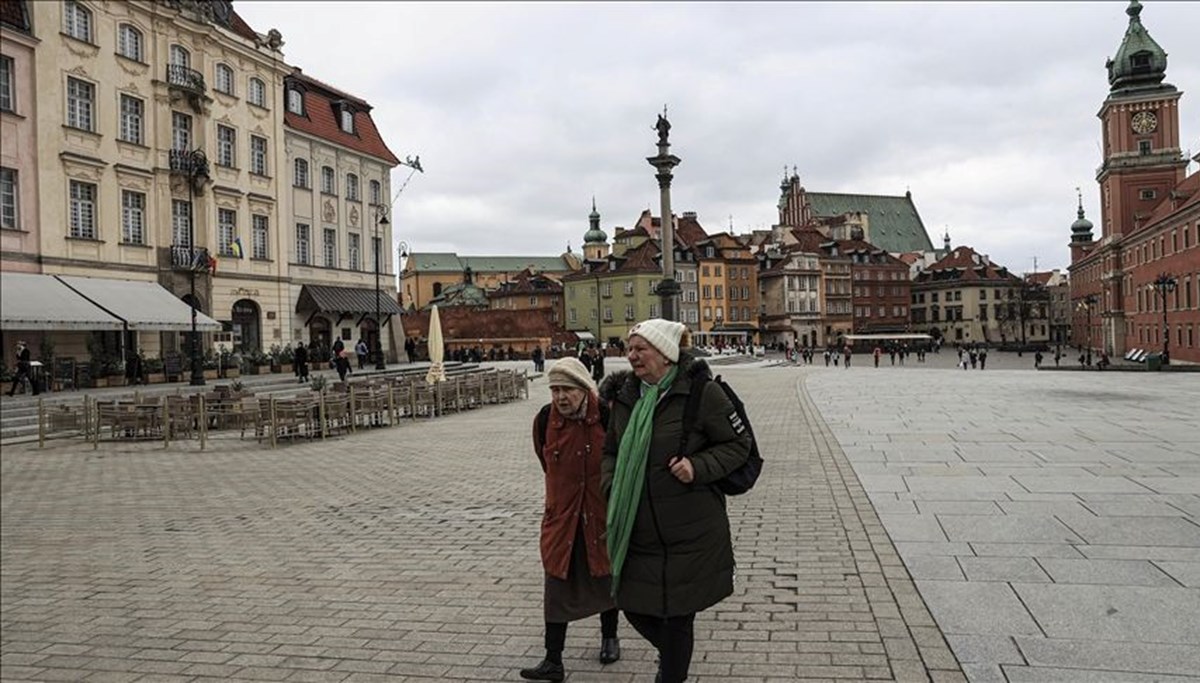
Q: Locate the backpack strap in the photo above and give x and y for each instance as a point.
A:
(541, 429)
(690, 410)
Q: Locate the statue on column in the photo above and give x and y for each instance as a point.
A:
(663, 126)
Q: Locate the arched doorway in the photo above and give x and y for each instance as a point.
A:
(320, 335)
(247, 325)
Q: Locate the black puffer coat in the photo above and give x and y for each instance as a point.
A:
(680, 557)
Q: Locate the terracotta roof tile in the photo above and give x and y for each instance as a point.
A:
(320, 119)
(15, 14)
(1189, 188)
(240, 27)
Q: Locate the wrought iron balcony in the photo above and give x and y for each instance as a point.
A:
(185, 78)
(184, 257)
(192, 163)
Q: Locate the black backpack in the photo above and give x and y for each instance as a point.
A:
(743, 478)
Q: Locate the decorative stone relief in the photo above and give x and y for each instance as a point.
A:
(79, 71)
(354, 216)
(81, 49)
(132, 68)
(329, 213)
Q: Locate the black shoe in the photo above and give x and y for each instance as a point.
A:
(545, 671)
(610, 650)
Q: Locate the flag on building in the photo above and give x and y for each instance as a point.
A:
(235, 248)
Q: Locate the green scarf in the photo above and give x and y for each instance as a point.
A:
(630, 474)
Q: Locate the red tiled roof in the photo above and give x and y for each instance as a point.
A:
(240, 27)
(320, 119)
(1042, 279)
(526, 284)
(809, 239)
(963, 260)
(910, 257)
(690, 231)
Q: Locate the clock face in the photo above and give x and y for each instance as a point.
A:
(1144, 122)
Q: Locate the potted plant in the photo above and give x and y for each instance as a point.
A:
(273, 354)
(228, 363)
(262, 360)
(212, 365)
(318, 382)
(153, 367)
(287, 358)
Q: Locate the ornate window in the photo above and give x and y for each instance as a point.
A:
(179, 56)
(352, 187)
(300, 173)
(7, 85)
(83, 210)
(8, 200)
(226, 231)
(133, 217)
(303, 235)
(258, 155)
(328, 182)
(132, 113)
(181, 222)
(354, 248)
(81, 104)
(377, 194)
(223, 81)
(330, 248)
(259, 234)
(129, 42)
(226, 146)
(257, 93)
(296, 102)
(181, 131)
(77, 21)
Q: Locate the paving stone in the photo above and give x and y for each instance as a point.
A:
(1165, 531)
(1112, 656)
(985, 649)
(1123, 613)
(1002, 569)
(1114, 572)
(1186, 573)
(1006, 529)
(962, 607)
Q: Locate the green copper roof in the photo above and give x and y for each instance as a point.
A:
(427, 262)
(894, 224)
(1139, 62)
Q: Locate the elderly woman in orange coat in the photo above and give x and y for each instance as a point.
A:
(568, 437)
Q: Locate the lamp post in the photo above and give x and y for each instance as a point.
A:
(1164, 284)
(414, 164)
(403, 253)
(1086, 305)
(381, 220)
(663, 162)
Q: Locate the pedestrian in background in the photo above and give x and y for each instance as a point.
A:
(361, 350)
(24, 370)
(668, 532)
(301, 361)
(568, 438)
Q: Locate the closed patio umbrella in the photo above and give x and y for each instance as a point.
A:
(437, 371)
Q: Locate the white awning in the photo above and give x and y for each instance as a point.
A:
(585, 335)
(142, 305)
(31, 301)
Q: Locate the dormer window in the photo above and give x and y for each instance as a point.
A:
(347, 120)
(295, 102)
(1140, 61)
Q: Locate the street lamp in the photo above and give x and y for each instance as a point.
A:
(1164, 284)
(381, 220)
(1086, 305)
(403, 253)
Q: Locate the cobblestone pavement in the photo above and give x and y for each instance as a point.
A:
(1051, 519)
(411, 553)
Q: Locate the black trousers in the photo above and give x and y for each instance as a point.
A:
(673, 637)
(556, 634)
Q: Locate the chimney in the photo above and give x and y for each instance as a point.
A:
(689, 214)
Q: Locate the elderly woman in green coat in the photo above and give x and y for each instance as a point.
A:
(668, 532)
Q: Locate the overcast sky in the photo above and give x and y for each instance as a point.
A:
(521, 112)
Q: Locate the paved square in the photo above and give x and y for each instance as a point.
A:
(410, 553)
(1068, 505)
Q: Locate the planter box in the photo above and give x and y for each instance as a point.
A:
(210, 374)
(263, 370)
(233, 372)
(156, 378)
(286, 368)
(99, 382)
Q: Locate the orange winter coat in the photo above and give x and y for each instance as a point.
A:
(570, 452)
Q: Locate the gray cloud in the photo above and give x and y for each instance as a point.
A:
(521, 112)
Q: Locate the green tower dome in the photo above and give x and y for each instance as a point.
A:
(594, 235)
(1081, 229)
(1139, 63)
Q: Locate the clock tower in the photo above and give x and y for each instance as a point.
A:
(1140, 124)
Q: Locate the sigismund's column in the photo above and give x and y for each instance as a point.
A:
(663, 162)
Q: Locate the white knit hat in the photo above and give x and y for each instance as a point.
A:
(569, 372)
(664, 335)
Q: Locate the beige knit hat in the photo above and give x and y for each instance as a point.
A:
(569, 372)
(666, 336)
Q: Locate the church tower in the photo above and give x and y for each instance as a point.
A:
(1140, 124)
(595, 241)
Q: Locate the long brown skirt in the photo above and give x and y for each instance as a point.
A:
(580, 594)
